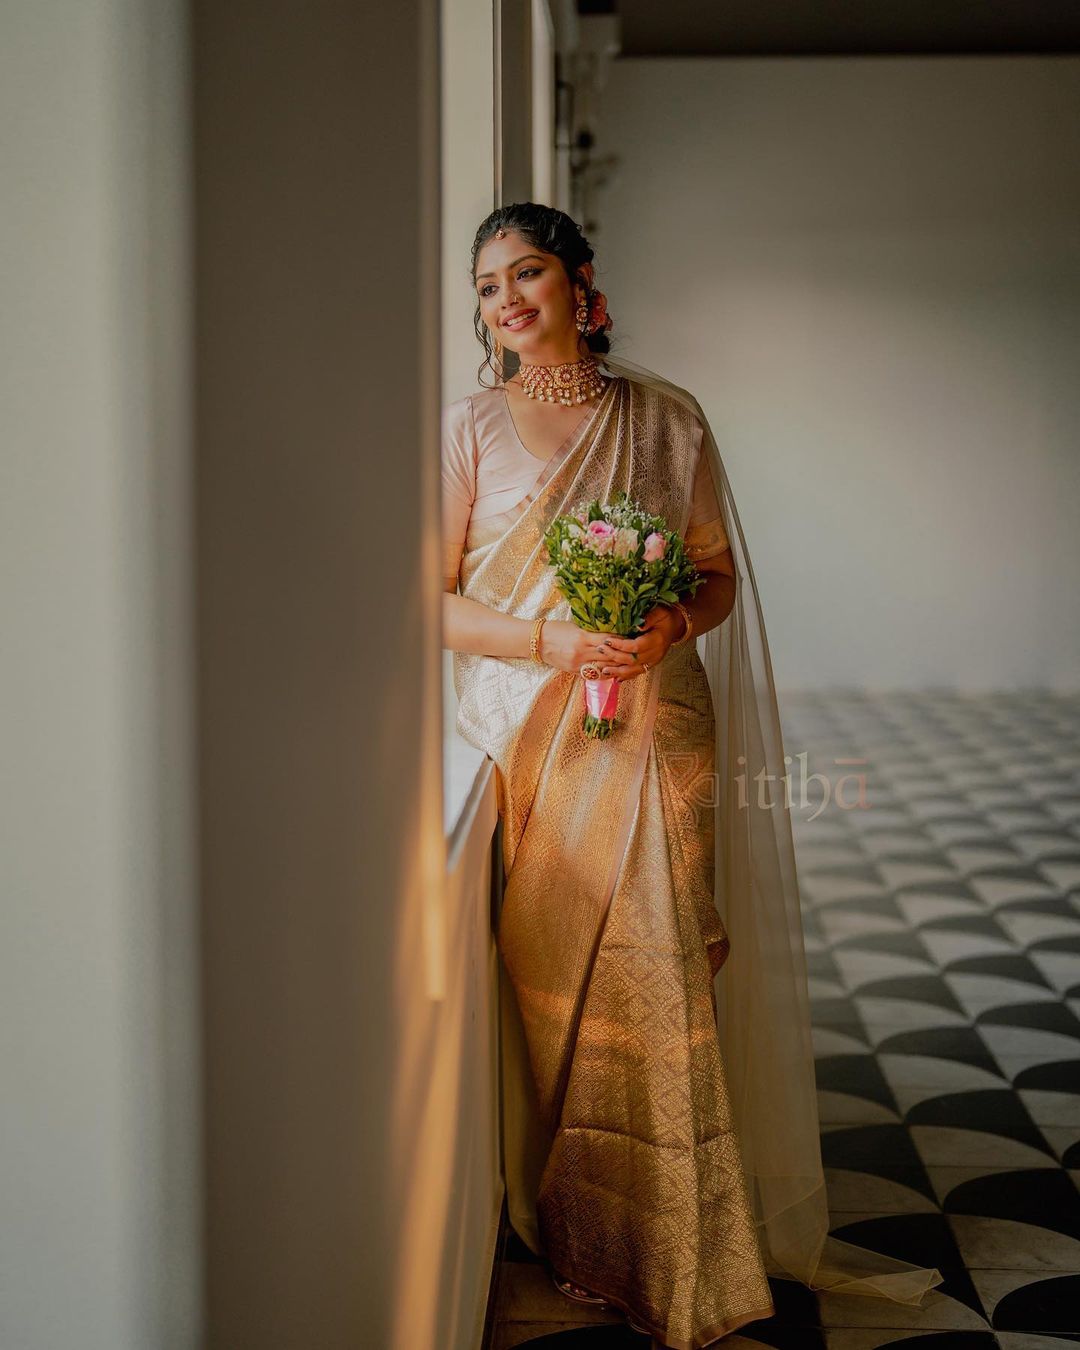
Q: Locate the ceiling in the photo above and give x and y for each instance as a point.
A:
(842, 27)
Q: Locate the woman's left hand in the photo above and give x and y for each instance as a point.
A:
(626, 657)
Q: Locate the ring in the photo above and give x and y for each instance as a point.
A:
(591, 670)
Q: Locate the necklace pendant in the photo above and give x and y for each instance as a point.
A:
(570, 383)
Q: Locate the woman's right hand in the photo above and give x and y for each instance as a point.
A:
(567, 647)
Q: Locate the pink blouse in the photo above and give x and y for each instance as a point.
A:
(487, 469)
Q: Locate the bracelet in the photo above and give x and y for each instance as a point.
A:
(689, 623)
(534, 640)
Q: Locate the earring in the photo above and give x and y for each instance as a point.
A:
(498, 357)
(581, 317)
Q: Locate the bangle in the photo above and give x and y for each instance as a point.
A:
(534, 640)
(689, 623)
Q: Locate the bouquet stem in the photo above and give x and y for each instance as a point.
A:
(601, 698)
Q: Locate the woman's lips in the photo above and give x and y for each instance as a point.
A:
(516, 323)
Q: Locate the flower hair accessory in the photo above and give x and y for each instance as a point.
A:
(598, 320)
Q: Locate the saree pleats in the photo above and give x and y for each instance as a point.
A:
(643, 1197)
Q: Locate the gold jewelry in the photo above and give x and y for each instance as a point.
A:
(571, 382)
(689, 623)
(500, 233)
(644, 665)
(581, 317)
(534, 640)
(592, 670)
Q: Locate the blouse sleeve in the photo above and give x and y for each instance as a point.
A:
(458, 482)
(705, 533)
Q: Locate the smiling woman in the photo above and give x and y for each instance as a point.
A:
(660, 1143)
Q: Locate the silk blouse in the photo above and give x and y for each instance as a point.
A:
(487, 469)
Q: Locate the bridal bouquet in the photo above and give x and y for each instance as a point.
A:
(613, 563)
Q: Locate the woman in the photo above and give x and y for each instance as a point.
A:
(660, 1125)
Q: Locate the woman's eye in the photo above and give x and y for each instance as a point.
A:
(525, 271)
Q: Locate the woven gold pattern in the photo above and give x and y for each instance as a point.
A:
(609, 931)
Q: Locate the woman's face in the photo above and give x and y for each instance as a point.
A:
(526, 299)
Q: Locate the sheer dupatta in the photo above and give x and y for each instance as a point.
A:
(762, 998)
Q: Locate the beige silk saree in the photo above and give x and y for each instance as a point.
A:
(660, 1122)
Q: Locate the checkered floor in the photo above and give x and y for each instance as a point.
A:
(941, 886)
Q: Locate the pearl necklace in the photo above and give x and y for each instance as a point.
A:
(572, 382)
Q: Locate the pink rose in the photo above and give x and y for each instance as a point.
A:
(655, 547)
(600, 536)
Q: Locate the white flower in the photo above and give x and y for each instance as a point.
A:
(626, 541)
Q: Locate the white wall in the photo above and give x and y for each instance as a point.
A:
(98, 1166)
(869, 273)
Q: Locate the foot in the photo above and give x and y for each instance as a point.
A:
(578, 1292)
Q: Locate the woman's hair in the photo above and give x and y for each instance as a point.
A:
(551, 231)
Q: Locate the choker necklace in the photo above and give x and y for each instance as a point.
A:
(572, 382)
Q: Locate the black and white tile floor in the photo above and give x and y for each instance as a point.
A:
(942, 920)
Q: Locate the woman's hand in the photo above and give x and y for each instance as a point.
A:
(567, 647)
(626, 657)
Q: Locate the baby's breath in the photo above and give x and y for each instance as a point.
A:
(611, 587)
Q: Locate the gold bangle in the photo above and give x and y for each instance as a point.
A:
(689, 623)
(534, 640)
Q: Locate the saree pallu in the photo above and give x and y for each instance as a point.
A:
(631, 1154)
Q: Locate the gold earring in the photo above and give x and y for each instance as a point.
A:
(581, 317)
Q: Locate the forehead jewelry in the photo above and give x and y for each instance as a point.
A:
(500, 234)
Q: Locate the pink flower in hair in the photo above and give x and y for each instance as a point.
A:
(599, 319)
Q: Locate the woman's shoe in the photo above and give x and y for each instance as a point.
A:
(578, 1293)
